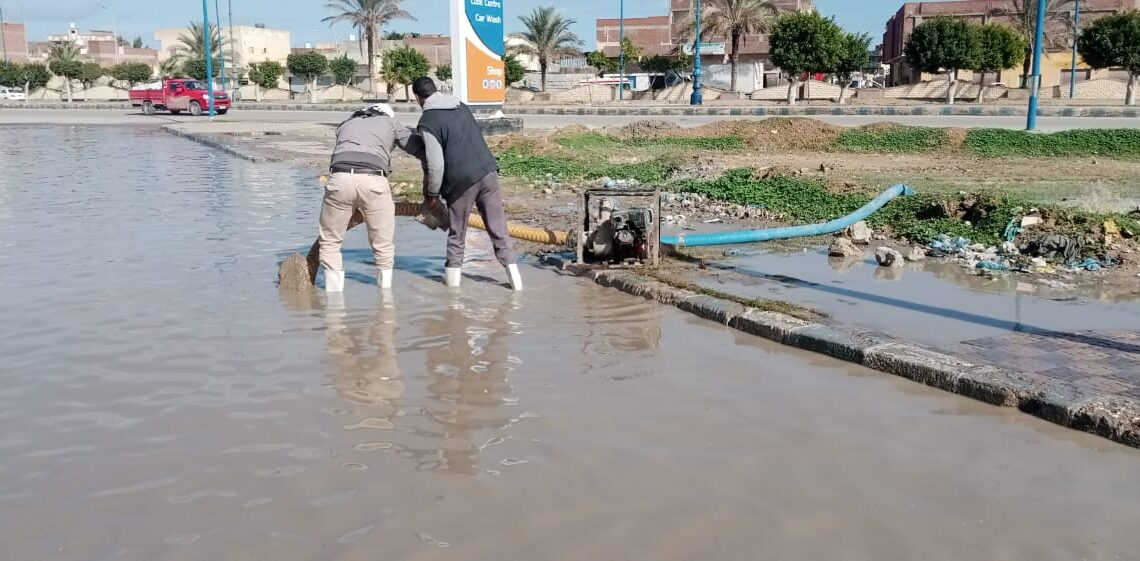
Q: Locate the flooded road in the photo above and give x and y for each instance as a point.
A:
(159, 399)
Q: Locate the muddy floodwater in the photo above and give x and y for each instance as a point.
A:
(161, 400)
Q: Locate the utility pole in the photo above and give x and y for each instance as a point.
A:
(209, 61)
(221, 44)
(1076, 33)
(233, 57)
(621, 53)
(697, 98)
(1035, 78)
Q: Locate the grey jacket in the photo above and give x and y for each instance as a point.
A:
(368, 142)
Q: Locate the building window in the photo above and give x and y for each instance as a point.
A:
(264, 50)
(251, 50)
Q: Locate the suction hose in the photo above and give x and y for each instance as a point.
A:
(517, 231)
(752, 236)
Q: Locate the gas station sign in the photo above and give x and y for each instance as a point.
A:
(477, 50)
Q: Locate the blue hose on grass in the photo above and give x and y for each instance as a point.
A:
(752, 236)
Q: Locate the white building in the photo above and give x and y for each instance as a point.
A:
(247, 43)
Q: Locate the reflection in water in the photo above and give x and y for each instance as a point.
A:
(619, 332)
(364, 357)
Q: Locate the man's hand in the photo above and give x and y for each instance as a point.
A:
(432, 205)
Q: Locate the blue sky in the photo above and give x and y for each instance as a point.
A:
(302, 17)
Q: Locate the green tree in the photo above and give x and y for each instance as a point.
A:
(514, 69)
(403, 65)
(547, 36)
(34, 76)
(1022, 14)
(805, 42)
(945, 45)
(632, 52)
(89, 73)
(657, 64)
(192, 45)
(443, 72)
(1114, 41)
(999, 48)
(194, 68)
(65, 61)
(265, 76)
(169, 67)
(600, 62)
(732, 20)
(853, 56)
(10, 74)
(131, 73)
(394, 36)
(137, 43)
(308, 66)
(367, 17)
(343, 70)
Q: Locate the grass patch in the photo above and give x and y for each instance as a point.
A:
(920, 218)
(595, 140)
(894, 139)
(518, 163)
(1084, 142)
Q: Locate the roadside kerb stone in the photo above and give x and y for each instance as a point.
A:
(207, 140)
(1114, 111)
(1114, 418)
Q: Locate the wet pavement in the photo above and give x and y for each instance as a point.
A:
(1019, 322)
(160, 399)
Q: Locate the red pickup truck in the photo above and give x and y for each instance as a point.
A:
(177, 96)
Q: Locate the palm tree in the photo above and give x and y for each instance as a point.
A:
(193, 44)
(65, 60)
(733, 20)
(1022, 16)
(367, 17)
(170, 67)
(547, 35)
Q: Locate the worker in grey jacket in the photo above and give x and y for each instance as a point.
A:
(462, 171)
(358, 179)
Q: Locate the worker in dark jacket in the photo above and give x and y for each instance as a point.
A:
(462, 171)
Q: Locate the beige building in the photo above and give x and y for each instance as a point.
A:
(102, 48)
(248, 43)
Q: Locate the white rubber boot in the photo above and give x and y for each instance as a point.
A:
(385, 279)
(452, 276)
(514, 276)
(334, 281)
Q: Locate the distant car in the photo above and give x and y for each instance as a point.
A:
(9, 94)
(178, 95)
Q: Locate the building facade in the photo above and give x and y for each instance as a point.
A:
(14, 42)
(245, 44)
(100, 47)
(1056, 64)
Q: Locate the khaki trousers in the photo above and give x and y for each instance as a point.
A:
(344, 194)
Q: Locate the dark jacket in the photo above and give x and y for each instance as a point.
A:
(456, 155)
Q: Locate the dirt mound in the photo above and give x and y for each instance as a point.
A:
(649, 129)
(956, 137)
(777, 133)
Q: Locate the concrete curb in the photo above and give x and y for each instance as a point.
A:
(1114, 418)
(1119, 111)
(231, 149)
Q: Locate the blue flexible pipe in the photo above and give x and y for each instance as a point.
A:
(752, 236)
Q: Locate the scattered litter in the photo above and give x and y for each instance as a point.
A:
(1009, 248)
(1030, 221)
(991, 266)
(742, 252)
(1089, 264)
(713, 221)
(1057, 247)
(948, 244)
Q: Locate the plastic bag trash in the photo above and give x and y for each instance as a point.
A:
(713, 221)
(991, 266)
(1056, 246)
(1089, 264)
(948, 244)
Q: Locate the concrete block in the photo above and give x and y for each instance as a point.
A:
(711, 308)
(1115, 418)
(915, 363)
(1001, 387)
(769, 325)
(850, 346)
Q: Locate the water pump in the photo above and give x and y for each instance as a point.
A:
(616, 235)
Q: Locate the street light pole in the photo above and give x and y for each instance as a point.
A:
(3, 36)
(221, 45)
(697, 98)
(1076, 32)
(209, 61)
(233, 57)
(621, 52)
(1035, 79)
